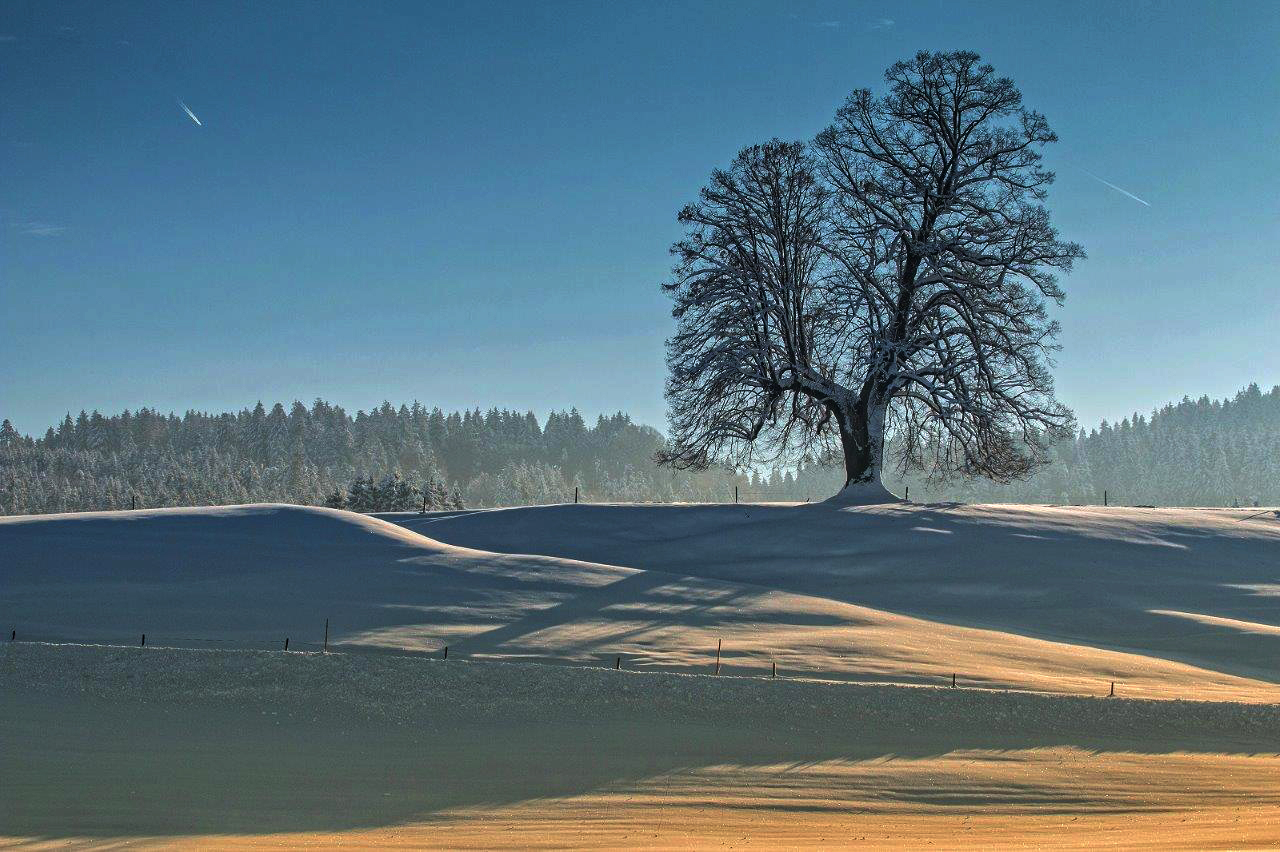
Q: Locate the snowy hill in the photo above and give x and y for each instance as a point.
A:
(1197, 585)
(1169, 603)
(230, 748)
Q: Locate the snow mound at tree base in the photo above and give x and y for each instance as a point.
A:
(862, 494)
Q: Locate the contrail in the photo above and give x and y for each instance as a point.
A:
(188, 111)
(1108, 183)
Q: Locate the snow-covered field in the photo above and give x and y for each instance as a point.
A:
(235, 746)
(1200, 586)
(1176, 603)
(232, 748)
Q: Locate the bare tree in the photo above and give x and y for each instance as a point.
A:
(748, 294)
(891, 280)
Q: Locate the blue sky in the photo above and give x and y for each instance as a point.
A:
(471, 204)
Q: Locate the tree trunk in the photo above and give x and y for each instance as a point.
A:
(862, 439)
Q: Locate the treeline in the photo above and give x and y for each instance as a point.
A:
(305, 454)
(1197, 452)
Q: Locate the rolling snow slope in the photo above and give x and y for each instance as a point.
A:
(1201, 586)
(1169, 603)
(227, 748)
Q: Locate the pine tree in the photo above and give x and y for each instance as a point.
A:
(361, 496)
(393, 494)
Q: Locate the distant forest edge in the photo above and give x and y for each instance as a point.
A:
(1196, 452)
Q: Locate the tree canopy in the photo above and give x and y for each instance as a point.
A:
(890, 277)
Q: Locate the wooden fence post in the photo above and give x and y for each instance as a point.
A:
(143, 644)
(735, 494)
(575, 494)
(617, 663)
(953, 681)
(286, 643)
(718, 643)
(446, 652)
(326, 635)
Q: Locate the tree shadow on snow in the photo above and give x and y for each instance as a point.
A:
(297, 749)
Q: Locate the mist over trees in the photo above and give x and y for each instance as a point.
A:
(887, 281)
(1195, 452)
(319, 454)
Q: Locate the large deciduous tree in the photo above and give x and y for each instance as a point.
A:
(889, 278)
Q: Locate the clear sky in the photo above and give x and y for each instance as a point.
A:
(471, 204)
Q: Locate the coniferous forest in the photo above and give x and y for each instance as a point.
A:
(1195, 452)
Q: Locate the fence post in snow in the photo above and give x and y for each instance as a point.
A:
(718, 643)
(953, 680)
(735, 494)
(575, 494)
(775, 668)
(286, 643)
(143, 643)
(326, 635)
(446, 652)
(617, 663)
(1104, 497)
